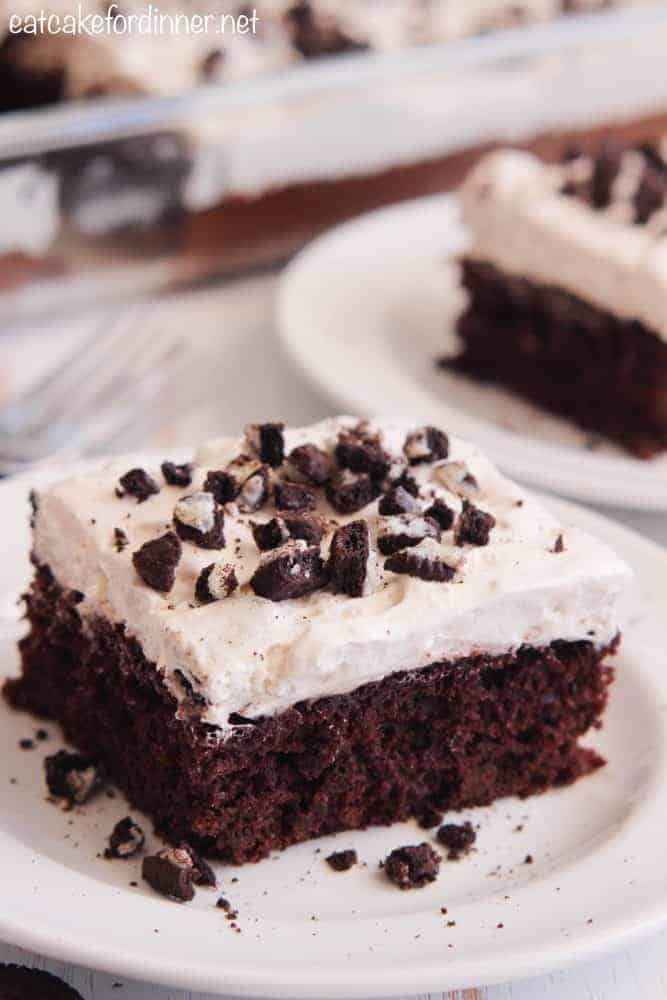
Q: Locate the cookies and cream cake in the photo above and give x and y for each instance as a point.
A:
(567, 278)
(316, 629)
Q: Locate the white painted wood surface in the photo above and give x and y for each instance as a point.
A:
(233, 334)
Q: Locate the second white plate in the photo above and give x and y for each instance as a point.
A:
(365, 312)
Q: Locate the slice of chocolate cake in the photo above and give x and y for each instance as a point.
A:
(567, 278)
(252, 689)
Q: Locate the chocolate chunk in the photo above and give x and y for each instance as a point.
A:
(429, 817)
(138, 484)
(120, 539)
(215, 582)
(412, 867)
(268, 441)
(312, 463)
(294, 496)
(316, 33)
(254, 492)
(74, 777)
(291, 571)
(407, 482)
(361, 453)
(200, 520)
(171, 873)
(348, 492)
(18, 982)
(398, 500)
(405, 531)
(203, 873)
(342, 861)
(270, 535)
(439, 511)
(307, 527)
(413, 564)
(177, 475)
(427, 444)
(156, 561)
(223, 485)
(474, 525)
(458, 838)
(126, 838)
(559, 545)
(348, 558)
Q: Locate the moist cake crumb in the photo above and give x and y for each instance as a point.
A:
(458, 838)
(412, 867)
(125, 840)
(342, 861)
(72, 777)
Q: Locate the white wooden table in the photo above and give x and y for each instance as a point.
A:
(232, 326)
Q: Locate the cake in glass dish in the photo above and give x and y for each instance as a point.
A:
(245, 172)
(318, 629)
(567, 282)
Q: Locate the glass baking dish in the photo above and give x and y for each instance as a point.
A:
(118, 197)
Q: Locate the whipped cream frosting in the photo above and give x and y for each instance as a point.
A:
(254, 656)
(520, 222)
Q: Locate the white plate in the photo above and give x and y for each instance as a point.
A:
(367, 309)
(598, 878)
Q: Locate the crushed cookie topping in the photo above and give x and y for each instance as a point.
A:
(215, 582)
(294, 497)
(293, 570)
(254, 491)
(361, 452)
(268, 441)
(398, 500)
(177, 475)
(350, 492)
(137, 483)
(405, 531)
(200, 520)
(312, 463)
(474, 525)
(348, 558)
(223, 485)
(428, 444)
(423, 567)
(156, 561)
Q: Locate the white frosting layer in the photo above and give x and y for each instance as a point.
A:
(253, 656)
(520, 223)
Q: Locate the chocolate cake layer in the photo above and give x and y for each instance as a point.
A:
(606, 373)
(448, 736)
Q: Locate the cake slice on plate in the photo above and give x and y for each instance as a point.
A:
(567, 279)
(316, 629)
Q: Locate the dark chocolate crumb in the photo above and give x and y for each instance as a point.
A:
(223, 485)
(412, 867)
(427, 444)
(26, 744)
(474, 525)
(398, 501)
(177, 475)
(411, 564)
(559, 545)
(42, 735)
(291, 571)
(348, 558)
(215, 582)
(349, 493)
(342, 861)
(156, 561)
(212, 64)
(312, 463)
(200, 520)
(458, 838)
(307, 527)
(72, 777)
(270, 535)
(360, 453)
(139, 484)
(268, 441)
(294, 497)
(528, 860)
(440, 512)
(405, 532)
(120, 539)
(126, 839)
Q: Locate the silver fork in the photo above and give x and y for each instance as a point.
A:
(98, 391)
